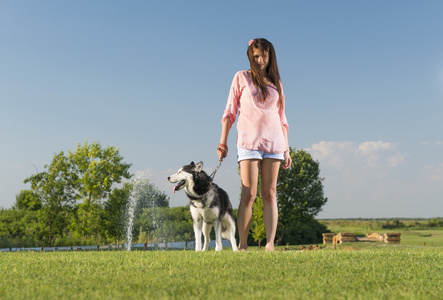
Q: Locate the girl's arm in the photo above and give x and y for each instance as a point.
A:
(287, 154)
(226, 126)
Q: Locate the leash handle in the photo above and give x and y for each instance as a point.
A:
(216, 169)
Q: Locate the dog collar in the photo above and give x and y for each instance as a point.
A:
(193, 198)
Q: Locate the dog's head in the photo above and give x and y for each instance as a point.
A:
(185, 175)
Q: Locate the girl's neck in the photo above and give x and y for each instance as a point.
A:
(265, 77)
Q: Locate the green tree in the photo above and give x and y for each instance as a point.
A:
(27, 199)
(159, 224)
(73, 191)
(18, 228)
(147, 196)
(181, 224)
(306, 231)
(114, 216)
(299, 191)
(96, 169)
(55, 191)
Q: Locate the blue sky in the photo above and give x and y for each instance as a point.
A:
(363, 82)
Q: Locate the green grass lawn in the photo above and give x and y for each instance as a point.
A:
(374, 271)
(360, 270)
(420, 237)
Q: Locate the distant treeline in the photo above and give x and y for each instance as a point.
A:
(362, 226)
(382, 219)
(388, 223)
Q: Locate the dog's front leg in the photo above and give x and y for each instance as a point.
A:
(198, 234)
(206, 233)
(218, 235)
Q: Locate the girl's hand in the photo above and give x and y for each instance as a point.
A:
(288, 160)
(222, 151)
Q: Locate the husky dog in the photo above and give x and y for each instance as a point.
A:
(210, 206)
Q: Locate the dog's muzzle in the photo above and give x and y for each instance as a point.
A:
(179, 186)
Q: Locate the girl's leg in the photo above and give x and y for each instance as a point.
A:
(269, 176)
(249, 179)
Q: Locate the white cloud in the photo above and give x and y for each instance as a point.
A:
(352, 155)
(364, 179)
(372, 147)
(332, 153)
(433, 173)
(397, 159)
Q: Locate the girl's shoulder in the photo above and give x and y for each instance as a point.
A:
(242, 73)
(242, 76)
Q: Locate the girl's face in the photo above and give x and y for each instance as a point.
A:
(261, 58)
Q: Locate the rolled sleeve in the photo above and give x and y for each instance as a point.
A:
(281, 112)
(233, 100)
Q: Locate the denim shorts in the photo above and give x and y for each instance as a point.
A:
(243, 154)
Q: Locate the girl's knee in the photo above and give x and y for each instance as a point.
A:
(269, 195)
(248, 196)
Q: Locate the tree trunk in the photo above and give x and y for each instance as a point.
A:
(281, 235)
(50, 237)
(83, 229)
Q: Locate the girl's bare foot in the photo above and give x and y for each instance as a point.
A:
(269, 248)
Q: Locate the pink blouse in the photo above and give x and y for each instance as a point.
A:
(260, 124)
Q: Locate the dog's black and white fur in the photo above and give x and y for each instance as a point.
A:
(210, 206)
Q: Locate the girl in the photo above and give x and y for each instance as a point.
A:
(262, 142)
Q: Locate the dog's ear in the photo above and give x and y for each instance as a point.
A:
(199, 167)
(192, 164)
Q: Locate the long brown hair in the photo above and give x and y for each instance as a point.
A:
(271, 72)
